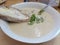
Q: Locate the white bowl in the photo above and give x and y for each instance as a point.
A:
(56, 16)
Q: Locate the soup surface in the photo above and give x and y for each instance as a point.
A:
(35, 30)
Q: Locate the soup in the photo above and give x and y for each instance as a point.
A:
(36, 30)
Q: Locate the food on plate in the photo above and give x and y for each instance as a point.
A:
(11, 14)
(36, 27)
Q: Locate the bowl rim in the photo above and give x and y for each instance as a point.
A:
(6, 30)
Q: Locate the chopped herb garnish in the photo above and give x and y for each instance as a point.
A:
(41, 19)
(37, 20)
(40, 12)
(34, 19)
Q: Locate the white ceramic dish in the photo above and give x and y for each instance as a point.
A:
(56, 16)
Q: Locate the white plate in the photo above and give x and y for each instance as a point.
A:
(51, 35)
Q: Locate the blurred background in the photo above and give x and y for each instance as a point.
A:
(54, 4)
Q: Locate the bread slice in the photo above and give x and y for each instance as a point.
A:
(12, 15)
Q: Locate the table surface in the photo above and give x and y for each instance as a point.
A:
(5, 40)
